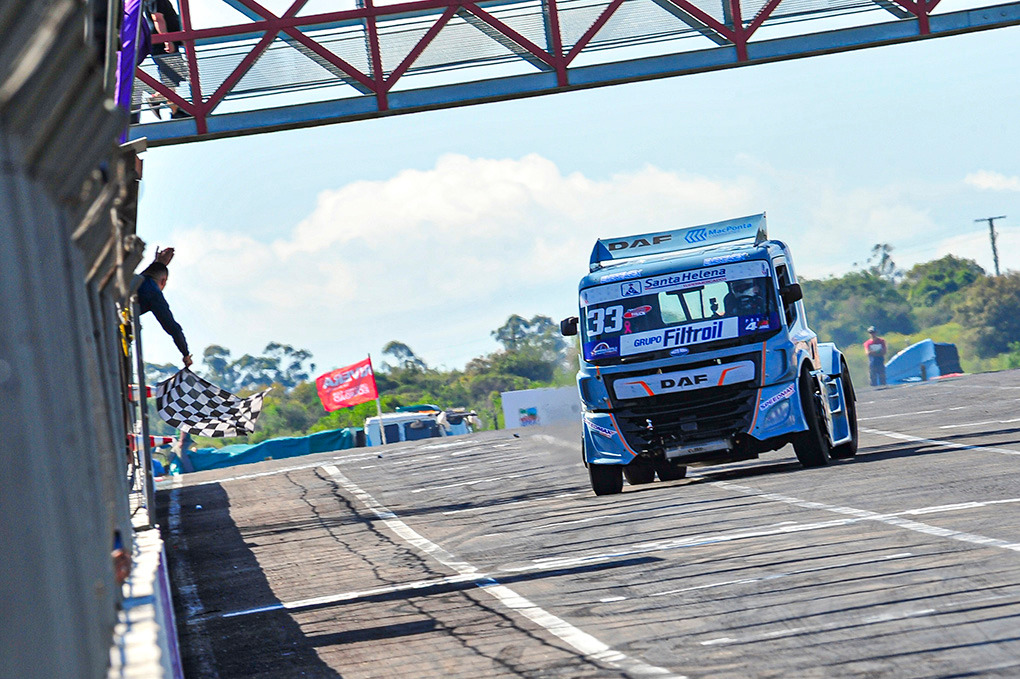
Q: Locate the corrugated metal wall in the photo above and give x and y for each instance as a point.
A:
(66, 242)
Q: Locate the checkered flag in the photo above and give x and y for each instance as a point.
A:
(187, 402)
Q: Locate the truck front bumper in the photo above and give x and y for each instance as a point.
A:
(694, 431)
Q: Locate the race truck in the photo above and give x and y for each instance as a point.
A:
(695, 350)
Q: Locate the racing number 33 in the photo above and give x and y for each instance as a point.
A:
(608, 320)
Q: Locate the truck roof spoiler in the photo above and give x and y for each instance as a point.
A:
(690, 238)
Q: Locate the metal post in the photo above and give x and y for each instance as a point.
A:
(991, 234)
(143, 417)
(378, 407)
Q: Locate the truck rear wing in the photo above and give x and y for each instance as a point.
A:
(694, 237)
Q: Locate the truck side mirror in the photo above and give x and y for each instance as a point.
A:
(568, 326)
(791, 293)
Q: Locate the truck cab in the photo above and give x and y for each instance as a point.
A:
(695, 350)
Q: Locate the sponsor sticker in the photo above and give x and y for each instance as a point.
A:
(637, 311)
(680, 351)
(601, 349)
(632, 289)
(725, 259)
(681, 336)
(776, 398)
(752, 324)
(602, 431)
(680, 280)
(620, 276)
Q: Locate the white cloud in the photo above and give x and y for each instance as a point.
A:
(434, 258)
(438, 258)
(992, 181)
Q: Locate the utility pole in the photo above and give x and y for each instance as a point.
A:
(991, 234)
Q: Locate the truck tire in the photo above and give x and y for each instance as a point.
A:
(639, 472)
(848, 450)
(812, 446)
(606, 479)
(668, 471)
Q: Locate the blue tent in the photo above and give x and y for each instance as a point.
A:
(922, 361)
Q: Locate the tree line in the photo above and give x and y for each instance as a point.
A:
(533, 355)
(948, 300)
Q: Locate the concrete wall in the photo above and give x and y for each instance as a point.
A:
(63, 250)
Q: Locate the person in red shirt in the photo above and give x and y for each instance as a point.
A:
(876, 349)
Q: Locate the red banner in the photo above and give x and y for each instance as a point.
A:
(346, 387)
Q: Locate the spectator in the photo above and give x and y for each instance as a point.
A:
(150, 298)
(876, 349)
(169, 56)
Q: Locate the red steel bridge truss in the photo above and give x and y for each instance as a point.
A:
(274, 70)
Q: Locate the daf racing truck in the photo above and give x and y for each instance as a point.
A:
(695, 350)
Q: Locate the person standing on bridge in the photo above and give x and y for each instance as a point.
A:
(876, 349)
(150, 298)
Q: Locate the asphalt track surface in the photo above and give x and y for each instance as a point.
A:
(489, 556)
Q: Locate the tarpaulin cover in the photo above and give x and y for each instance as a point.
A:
(923, 361)
(273, 449)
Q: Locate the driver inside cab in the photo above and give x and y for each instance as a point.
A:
(745, 298)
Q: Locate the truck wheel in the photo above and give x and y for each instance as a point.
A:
(812, 446)
(606, 479)
(639, 472)
(668, 471)
(849, 449)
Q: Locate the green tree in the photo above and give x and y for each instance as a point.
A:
(404, 356)
(512, 333)
(841, 308)
(218, 367)
(991, 310)
(882, 264)
(929, 282)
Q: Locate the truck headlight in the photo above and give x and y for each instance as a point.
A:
(777, 413)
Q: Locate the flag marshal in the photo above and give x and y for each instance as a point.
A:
(345, 387)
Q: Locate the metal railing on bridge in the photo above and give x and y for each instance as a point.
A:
(295, 69)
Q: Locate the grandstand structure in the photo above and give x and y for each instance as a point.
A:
(302, 66)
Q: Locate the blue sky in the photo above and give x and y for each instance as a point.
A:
(433, 228)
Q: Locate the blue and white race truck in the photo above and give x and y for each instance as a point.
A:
(695, 350)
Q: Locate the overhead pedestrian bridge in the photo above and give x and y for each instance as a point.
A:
(298, 65)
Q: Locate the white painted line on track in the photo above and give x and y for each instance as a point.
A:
(852, 516)
(466, 483)
(340, 459)
(936, 442)
(560, 443)
(586, 644)
(497, 506)
(766, 578)
(883, 417)
(865, 515)
(451, 444)
(976, 424)
(569, 523)
(187, 591)
(797, 631)
(349, 596)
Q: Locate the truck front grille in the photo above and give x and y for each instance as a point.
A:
(684, 418)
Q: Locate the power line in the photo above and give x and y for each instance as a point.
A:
(991, 234)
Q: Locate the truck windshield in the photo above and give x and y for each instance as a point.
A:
(679, 312)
